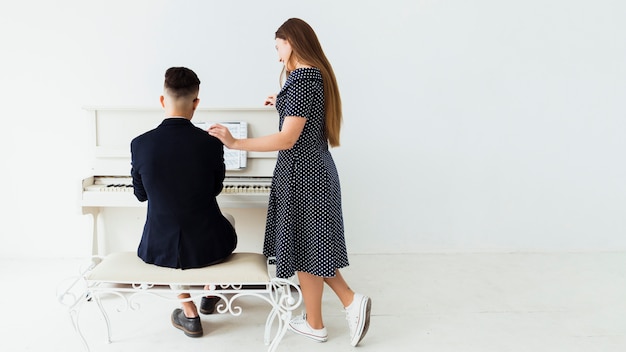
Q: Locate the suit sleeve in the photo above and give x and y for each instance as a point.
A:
(220, 172)
(138, 188)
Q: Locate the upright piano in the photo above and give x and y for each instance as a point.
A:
(107, 194)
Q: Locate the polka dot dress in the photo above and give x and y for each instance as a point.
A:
(304, 229)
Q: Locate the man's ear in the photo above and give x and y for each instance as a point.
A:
(195, 103)
(162, 100)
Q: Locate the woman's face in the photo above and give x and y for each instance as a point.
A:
(284, 51)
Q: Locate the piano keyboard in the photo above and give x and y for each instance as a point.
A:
(118, 191)
(109, 188)
(231, 186)
(247, 185)
(231, 189)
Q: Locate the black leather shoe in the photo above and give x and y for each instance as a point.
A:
(192, 327)
(207, 305)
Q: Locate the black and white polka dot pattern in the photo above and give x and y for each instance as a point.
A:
(304, 229)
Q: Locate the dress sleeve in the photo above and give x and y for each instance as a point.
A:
(300, 96)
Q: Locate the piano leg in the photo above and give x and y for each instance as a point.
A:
(95, 245)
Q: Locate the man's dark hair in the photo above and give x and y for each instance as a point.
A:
(181, 82)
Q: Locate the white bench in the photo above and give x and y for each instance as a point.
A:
(125, 275)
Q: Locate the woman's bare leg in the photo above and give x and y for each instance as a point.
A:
(312, 289)
(339, 285)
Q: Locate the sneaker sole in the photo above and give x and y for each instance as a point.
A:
(364, 324)
(312, 337)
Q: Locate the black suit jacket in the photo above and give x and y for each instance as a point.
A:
(179, 169)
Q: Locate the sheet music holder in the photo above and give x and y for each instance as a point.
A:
(233, 159)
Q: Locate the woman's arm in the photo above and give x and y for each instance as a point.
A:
(285, 139)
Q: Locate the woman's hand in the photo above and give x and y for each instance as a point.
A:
(270, 100)
(223, 134)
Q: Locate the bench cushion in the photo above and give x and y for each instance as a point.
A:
(128, 268)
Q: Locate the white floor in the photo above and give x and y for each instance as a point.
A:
(421, 302)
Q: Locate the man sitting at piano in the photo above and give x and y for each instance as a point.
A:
(179, 169)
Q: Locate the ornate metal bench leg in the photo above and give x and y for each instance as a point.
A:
(283, 303)
(105, 316)
(74, 318)
(73, 295)
(269, 323)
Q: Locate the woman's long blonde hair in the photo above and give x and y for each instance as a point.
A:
(307, 49)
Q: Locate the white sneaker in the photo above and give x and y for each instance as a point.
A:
(358, 316)
(300, 326)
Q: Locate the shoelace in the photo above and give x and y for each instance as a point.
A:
(352, 320)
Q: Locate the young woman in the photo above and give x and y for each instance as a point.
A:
(304, 229)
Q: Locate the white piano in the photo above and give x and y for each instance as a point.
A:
(107, 194)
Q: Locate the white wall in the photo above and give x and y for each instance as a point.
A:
(469, 125)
